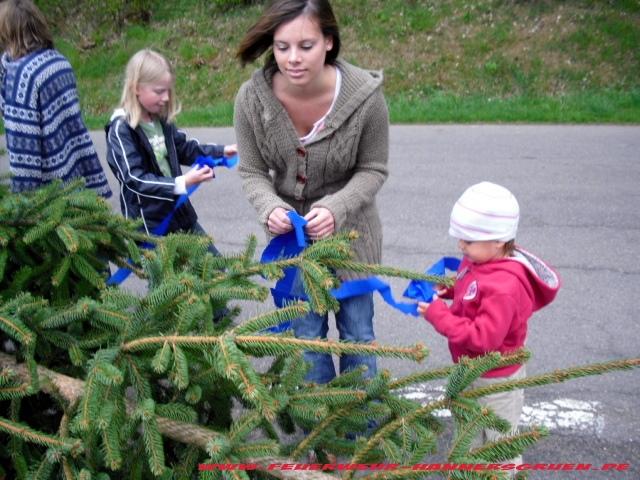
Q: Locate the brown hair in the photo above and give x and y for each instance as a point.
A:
(23, 28)
(509, 248)
(259, 38)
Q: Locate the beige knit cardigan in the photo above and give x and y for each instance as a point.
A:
(341, 169)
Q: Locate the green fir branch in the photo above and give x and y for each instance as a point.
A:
(509, 447)
(272, 345)
(307, 413)
(392, 426)
(161, 359)
(467, 370)
(270, 319)
(321, 428)
(244, 425)
(180, 372)
(330, 396)
(261, 449)
(69, 237)
(401, 474)
(556, 376)
(70, 446)
(235, 366)
(375, 269)
(152, 438)
(517, 357)
(111, 446)
(17, 330)
(472, 418)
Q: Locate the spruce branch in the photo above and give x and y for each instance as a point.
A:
(391, 427)
(321, 428)
(467, 370)
(401, 474)
(516, 357)
(510, 446)
(330, 396)
(375, 269)
(270, 319)
(471, 419)
(556, 376)
(71, 446)
(270, 345)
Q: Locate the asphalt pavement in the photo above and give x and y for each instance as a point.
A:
(578, 189)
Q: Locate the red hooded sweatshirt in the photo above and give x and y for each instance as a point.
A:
(492, 303)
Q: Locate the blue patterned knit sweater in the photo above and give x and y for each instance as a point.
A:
(46, 137)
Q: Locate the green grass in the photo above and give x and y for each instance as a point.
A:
(444, 61)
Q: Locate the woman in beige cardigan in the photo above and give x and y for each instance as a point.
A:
(312, 135)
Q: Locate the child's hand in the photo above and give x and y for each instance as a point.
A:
(198, 175)
(423, 307)
(440, 290)
(230, 150)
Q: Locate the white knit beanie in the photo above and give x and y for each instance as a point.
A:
(485, 211)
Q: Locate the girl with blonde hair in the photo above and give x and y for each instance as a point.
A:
(145, 149)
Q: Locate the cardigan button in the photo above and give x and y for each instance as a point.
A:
(301, 151)
(301, 178)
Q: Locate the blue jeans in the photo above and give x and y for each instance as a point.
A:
(354, 321)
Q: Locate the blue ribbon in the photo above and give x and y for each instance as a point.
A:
(422, 290)
(161, 229)
(291, 244)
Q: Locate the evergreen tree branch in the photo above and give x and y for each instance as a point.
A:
(375, 269)
(311, 439)
(272, 345)
(556, 376)
(70, 445)
(401, 474)
(275, 345)
(517, 357)
(330, 396)
(269, 319)
(509, 447)
(386, 430)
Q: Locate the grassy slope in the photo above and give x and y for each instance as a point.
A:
(444, 61)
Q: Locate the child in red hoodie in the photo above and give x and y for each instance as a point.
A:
(497, 289)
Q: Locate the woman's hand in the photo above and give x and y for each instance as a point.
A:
(278, 221)
(230, 150)
(198, 175)
(320, 223)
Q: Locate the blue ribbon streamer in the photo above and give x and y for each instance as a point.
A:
(161, 229)
(422, 290)
(291, 244)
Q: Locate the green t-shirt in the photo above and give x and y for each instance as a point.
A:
(153, 131)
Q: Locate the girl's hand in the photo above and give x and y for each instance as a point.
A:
(278, 221)
(198, 175)
(423, 307)
(320, 223)
(230, 150)
(440, 290)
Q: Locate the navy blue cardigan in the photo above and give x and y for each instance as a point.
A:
(46, 137)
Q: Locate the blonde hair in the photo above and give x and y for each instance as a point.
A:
(23, 28)
(147, 66)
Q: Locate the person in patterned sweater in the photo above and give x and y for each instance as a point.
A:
(46, 136)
